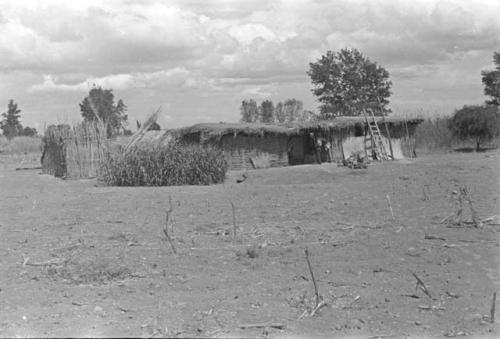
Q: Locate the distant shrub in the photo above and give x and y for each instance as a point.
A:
(20, 145)
(478, 123)
(434, 134)
(171, 165)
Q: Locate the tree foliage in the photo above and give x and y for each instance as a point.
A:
(491, 81)
(279, 113)
(29, 131)
(292, 110)
(249, 111)
(266, 113)
(347, 82)
(10, 124)
(100, 105)
(479, 123)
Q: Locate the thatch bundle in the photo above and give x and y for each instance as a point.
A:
(74, 152)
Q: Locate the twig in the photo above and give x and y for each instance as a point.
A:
(468, 197)
(165, 228)
(492, 310)
(445, 219)
(433, 237)
(234, 220)
(390, 206)
(44, 263)
(316, 293)
(317, 308)
(422, 285)
(431, 308)
(279, 326)
(239, 181)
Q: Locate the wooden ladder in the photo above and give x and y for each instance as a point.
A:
(373, 142)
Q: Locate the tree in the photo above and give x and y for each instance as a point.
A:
(249, 111)
(347, 82)
(100, 105)
(293, 109)
(491, 81)
(475, 122)
(307, 116)
(267, 112)
(10, 125)
(28, 132)
(279, 113)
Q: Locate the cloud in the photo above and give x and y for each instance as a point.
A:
(115, 81)
(223, 50)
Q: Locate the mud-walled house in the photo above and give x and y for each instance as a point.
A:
(245, 145)
(346, 135)
(253, 145)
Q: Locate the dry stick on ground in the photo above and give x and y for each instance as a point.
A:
(460, 207)
(234, 220)
(279, 326)
(165, 228)
(318, 302)
(422, 285)
(390, 206)
(492, 310)
(466, 193)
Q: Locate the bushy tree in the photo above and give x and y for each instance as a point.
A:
(293, 109)
(100, 105)
(479, 123)
(10, 125)
(29, 131)
(249, 111)
(279, 113)
(491, 81)
(347, 82)
(266, 111)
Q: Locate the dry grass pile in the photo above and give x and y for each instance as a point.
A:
(168, 165)
(74, 152)
(20, 145)
(89, 271)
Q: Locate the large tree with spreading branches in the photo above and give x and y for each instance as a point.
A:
(347, 82)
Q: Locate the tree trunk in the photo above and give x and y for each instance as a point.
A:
(478, 142)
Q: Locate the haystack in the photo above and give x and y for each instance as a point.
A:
(74, 152)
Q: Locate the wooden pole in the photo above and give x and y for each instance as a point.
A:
(386, 129)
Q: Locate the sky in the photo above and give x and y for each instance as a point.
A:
(198, 59)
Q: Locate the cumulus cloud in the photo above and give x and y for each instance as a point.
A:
(176, 76)
(242, 48)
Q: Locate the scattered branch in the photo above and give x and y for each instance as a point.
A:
(319, 302)
(421, 284)
(244, 177)
(492, 310)
(390, 206)
(234, 220)
(433, 237)
(278, 326)
(165, 228)
(467, 196)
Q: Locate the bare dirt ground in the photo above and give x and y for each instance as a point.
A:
(79, 259)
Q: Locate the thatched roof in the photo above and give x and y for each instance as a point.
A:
(217, 130)
(210, 130)
(340, 123)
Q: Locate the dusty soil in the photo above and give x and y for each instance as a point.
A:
(79, 259)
